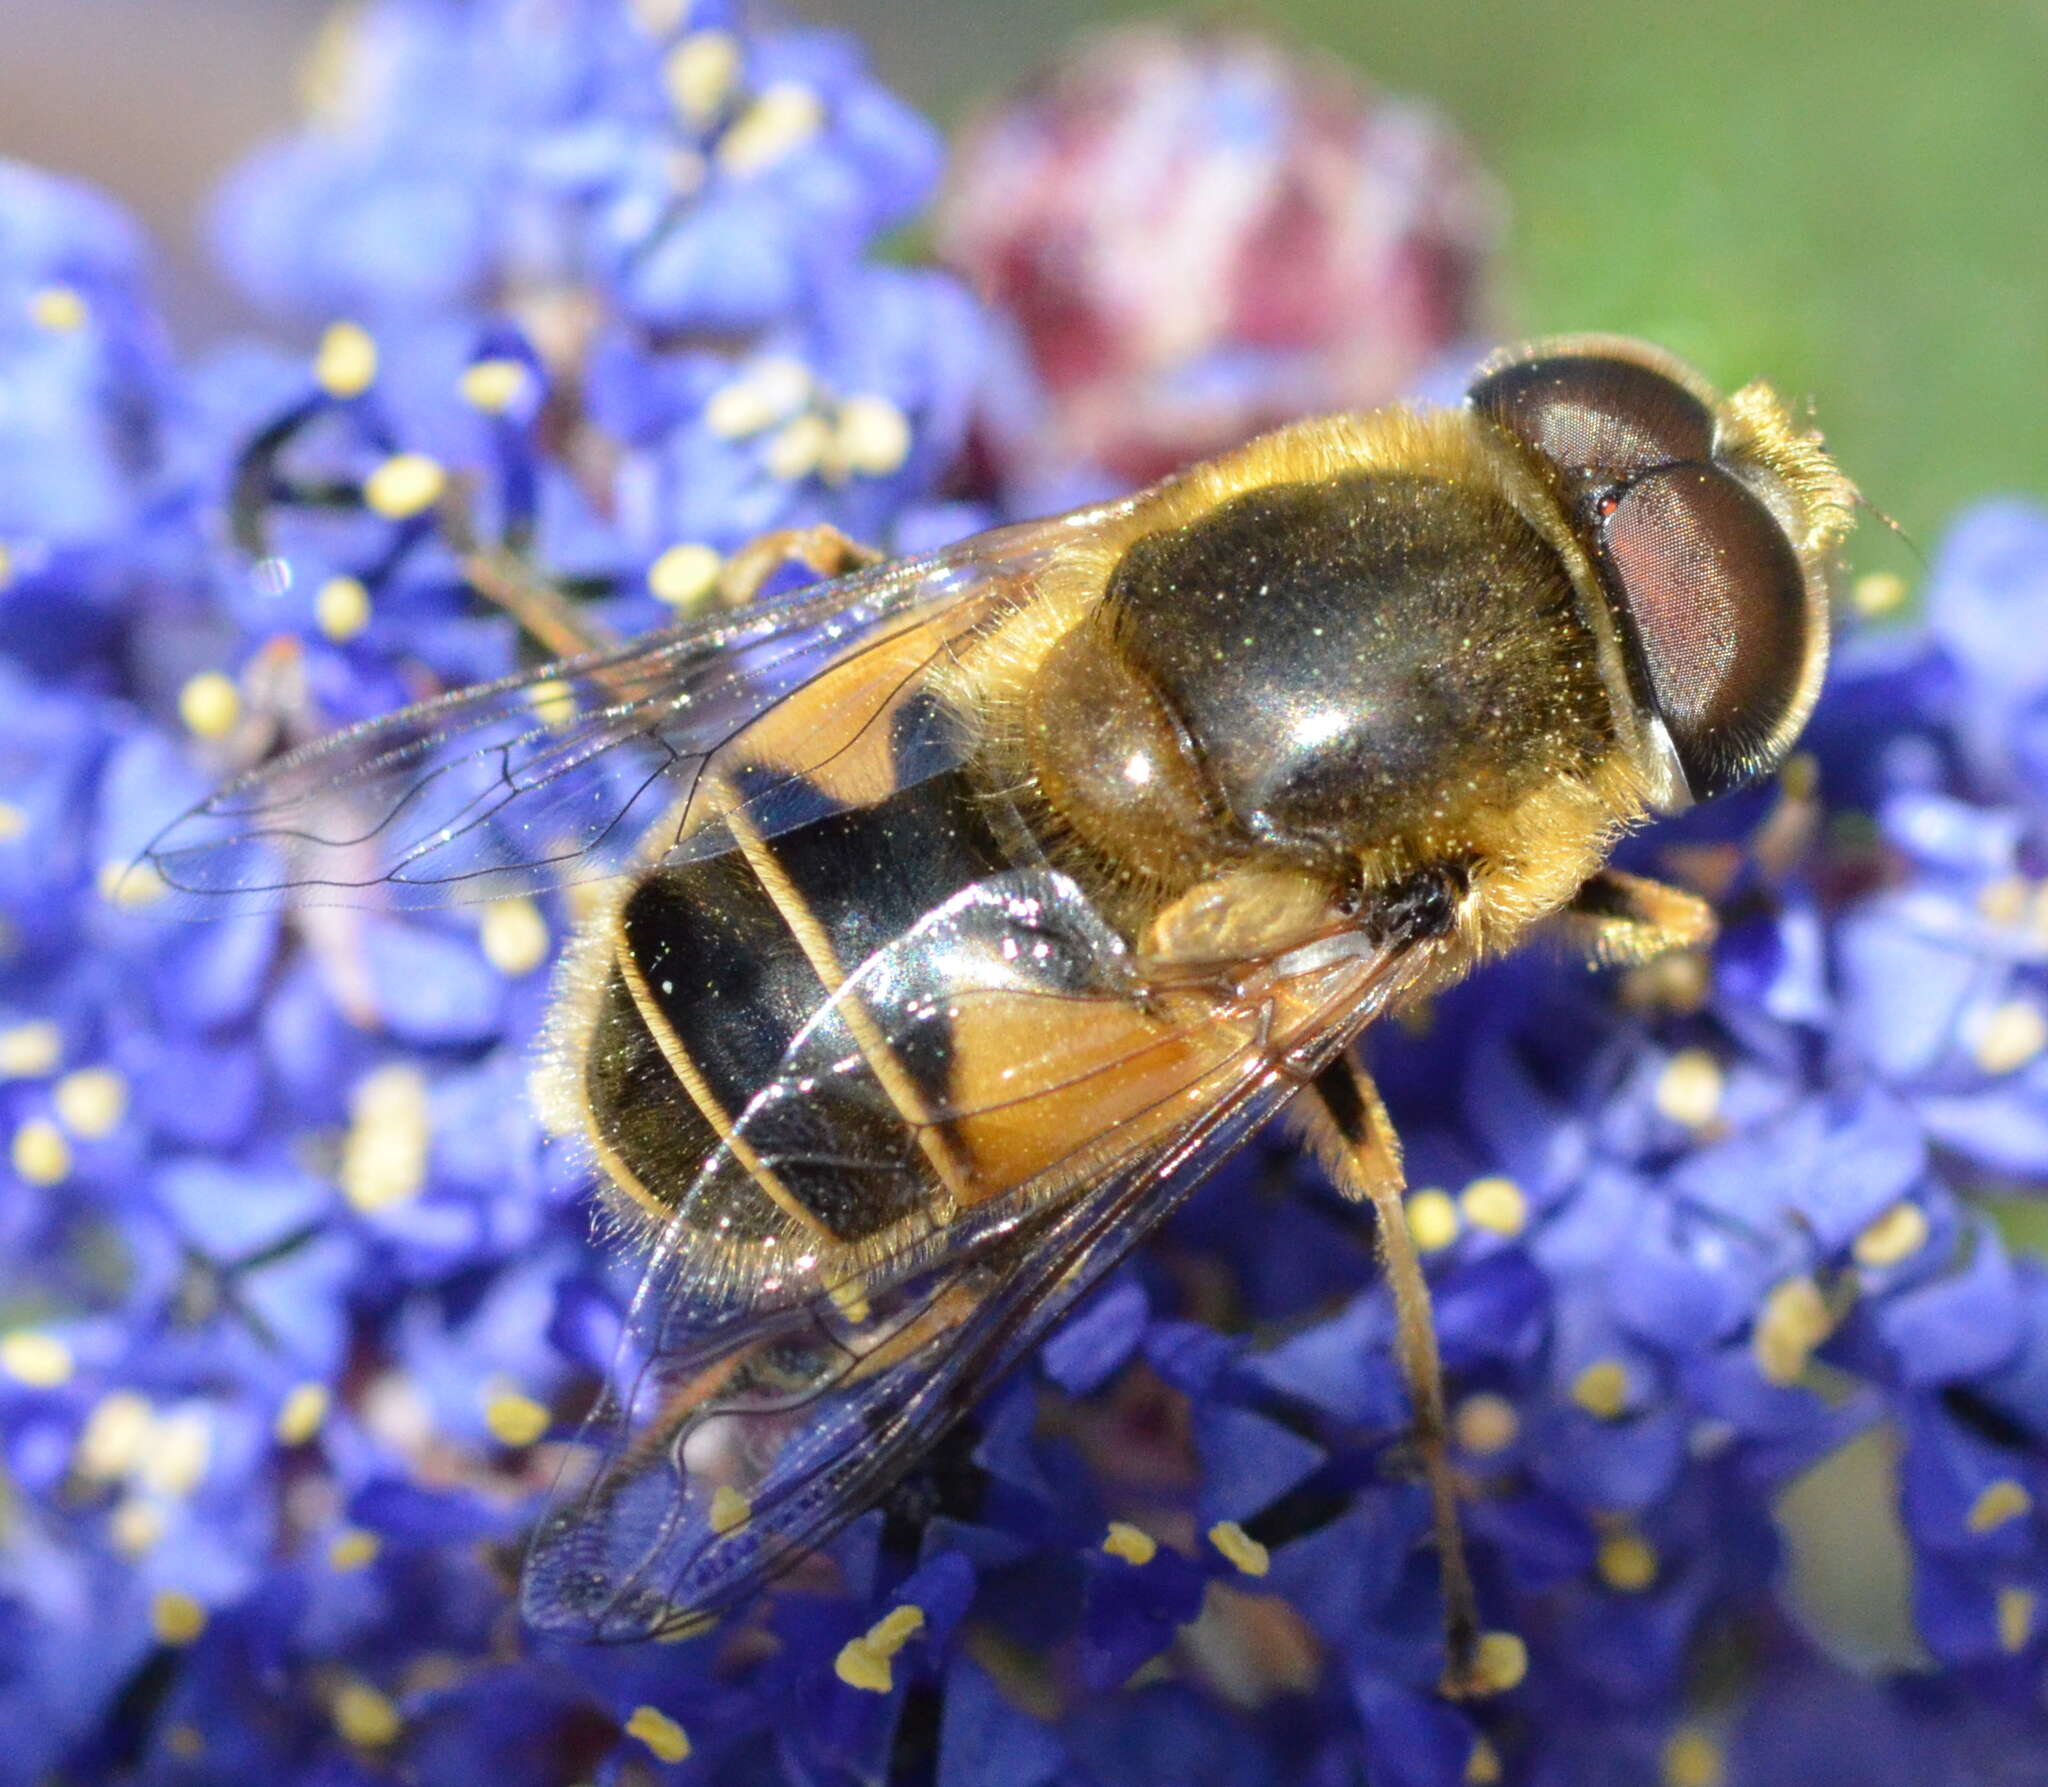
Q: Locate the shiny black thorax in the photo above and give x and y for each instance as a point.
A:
(1352, 660)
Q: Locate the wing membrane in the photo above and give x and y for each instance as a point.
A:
(558, 775)
(748, 1429)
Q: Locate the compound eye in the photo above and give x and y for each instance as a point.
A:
(1594, 420)
(1716, 600)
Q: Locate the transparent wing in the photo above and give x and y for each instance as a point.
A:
(745, 1428)
(560, 774)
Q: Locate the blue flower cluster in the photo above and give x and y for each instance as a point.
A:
(296, 1299)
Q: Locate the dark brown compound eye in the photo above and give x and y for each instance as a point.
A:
(1593, 421)
(1714, 597)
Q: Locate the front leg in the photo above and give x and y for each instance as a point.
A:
(1345, 1123)
(1619, 920)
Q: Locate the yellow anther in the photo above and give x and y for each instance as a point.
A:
(1602, 1389)
(685, 575)
(1496, 1204)
(353, 1549)
(1879, 593)
(1795, 1320)
(39, 1360)
(1240, 1548)
(2008, 1036)
(799, 447)
(515, 1419)
(1689, 1089)
(2000, 1502)
(136, 1527)
(730, 1510)
(363, 1716)
(91, 1102)
(1897, 1235)
(210, 704)
(405, 485)
(1499, 1663)
(300, 1415)
(2017, 1609)
(1131, 1543)
(771, 390)
(40, 1154)
(57, 308)
(514, 936)
(661, 1734)
(495, 386)
(859, 1665)
(31, 1050)
(896, 1628)
(871, 439)
(700, 73)
(1627, 1562)
(784, 118)
(1485, 1423)
(1482, 1767)
(659, 17)
(114, 1436)
(553, 701)
(13, 821)
(1432, 1219)
(2006, 900)
(384, 1157)
(341, 608)
(175, 1617)
(1693, 1759)
(186, 1742)
(345, 364)
(180, 1451)
(130, 885)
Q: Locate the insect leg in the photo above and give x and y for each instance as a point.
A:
(822, 547)
(1348, 1127)
(1619, 919)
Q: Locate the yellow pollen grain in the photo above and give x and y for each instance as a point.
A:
(1482, 1767)
(1627, 1562)
(1485, 1423)
(341, 608)
(176, 1618)
(685, 575)
(785, 117)
(1432, 1219)
(1131, 1543)
(495, 386)
(2009, 1036)
(58, 308)
(13, 821)
(91, 1102)
(39, 1360)
(515, 1419)
(514, 937)
(114, 1436)
(40, 1154)
(186, 1742)
(353, 1549)
(799, 447)
(1240, 1548)
(136, 1527)
(345, 364)
(730, 1510)
(405, 485)
(1693, 1759)
(661, 1734)
(1897, 1235)
(1602, 1388)
(1881, 592)
(2017, 1608)
(872, 437)
(2000, 1502)
(181, 1449)
(699, 75)
(363, 1716)
(210, 704)
(1690, 1087)
(300, 1415)
(384, 1157)
(1499, 1663)
(1496, 1204)
(1794, 1321)
(29, 1051)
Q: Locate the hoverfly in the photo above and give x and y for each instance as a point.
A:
(960, 913)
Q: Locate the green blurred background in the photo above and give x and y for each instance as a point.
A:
(1848, 199)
